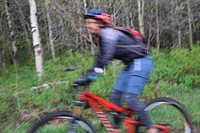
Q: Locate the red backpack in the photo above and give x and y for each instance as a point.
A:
(134, 34)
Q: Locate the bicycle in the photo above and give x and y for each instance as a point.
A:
(72, 122)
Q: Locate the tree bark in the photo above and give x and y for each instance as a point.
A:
(24, 24)
(190, 22)
(2, 62)
(179, 36)
(140, 4)
(179, 25)
(12, 37)
(90, 36)
(36, 38)
(131, 14)
(2, 48)
(50, 31)
(127, 22)
(158, 27)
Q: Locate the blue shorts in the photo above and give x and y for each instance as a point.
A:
(134, 76)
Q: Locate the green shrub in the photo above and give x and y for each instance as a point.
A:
(175, 74)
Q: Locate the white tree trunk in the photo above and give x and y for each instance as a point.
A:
(190, 22)
(179, 23)
(2, 62)
(2, 53)
(36, 38)
(140, 4)
(158, 27)
(14, 48)
(50, 31)
(90, 36)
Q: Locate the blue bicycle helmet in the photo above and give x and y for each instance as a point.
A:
(98, 14)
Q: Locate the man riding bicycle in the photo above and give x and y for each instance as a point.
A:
(115, 44)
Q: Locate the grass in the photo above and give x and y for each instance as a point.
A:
(21, 106)
(190, 100)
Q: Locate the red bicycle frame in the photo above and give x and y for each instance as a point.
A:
(94, 102)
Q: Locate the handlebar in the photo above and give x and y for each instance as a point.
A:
(74, 85)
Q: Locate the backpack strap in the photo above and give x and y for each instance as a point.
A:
(133, 34)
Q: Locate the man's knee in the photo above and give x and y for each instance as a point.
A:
(114, 94)
(115, 97)
(133, 102)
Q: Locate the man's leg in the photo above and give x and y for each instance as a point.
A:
(116, 93)
(115, 97)
(138, 108)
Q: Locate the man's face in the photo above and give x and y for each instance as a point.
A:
(93, 26)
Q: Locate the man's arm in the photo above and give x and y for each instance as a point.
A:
(108, 42)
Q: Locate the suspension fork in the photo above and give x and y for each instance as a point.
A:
(78, 107)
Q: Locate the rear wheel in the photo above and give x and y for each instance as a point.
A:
(167, 111)
(61, 122)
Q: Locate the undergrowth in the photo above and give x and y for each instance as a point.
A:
(176, 74)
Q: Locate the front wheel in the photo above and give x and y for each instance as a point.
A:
(167, 111)
(61, 122)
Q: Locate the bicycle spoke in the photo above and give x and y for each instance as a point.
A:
(170, 114)
(60, 122)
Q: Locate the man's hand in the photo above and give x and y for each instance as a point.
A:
(82, 81)
(90, 76)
